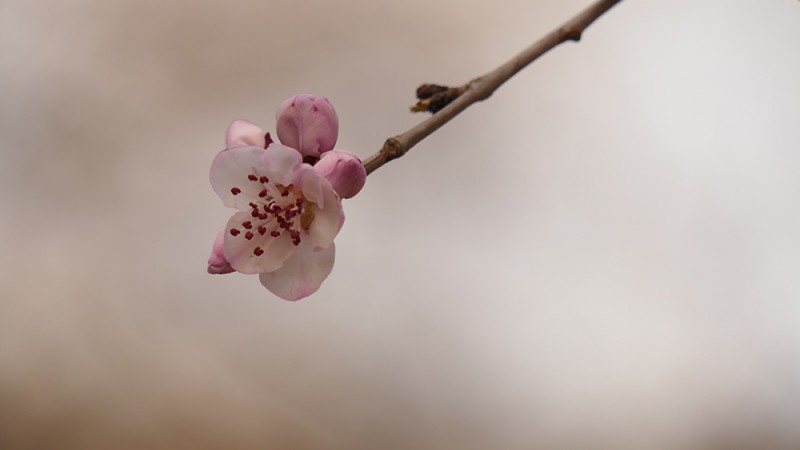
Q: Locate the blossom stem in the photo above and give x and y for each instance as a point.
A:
(482, 87)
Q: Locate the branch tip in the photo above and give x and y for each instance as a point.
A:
(434, 98)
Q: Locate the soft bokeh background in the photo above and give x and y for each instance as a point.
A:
(604, 255)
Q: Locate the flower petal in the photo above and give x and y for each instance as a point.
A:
(235, 172)
(229, 176)
(328, 212)
(217, 264)
(302, 274)
(311, 184)
(249, 251)
(307, 123)
(279, 162)
(242, 133)
(327, 221)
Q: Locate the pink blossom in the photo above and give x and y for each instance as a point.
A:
(288, 215)
(289, 211)
(344, 171)
(308, 124)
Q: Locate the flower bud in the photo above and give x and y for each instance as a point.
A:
(217, 264)
(308, 124)
(344, 171)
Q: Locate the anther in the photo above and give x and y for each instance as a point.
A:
(248, 235)
(234, 232)
(262, 229)
(263, 179)
(274, 233)
(247, 224)
(236, 191)
(252, 177)
(257, 251)
(263, 193)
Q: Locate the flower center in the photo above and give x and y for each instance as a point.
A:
(275, 212)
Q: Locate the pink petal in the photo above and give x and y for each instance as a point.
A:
(217, 264)
(307, 123)
(261, 252)
(302, 274)
(242, 133)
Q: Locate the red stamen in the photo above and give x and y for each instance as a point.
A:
(252, 177)
(263, 179)
(263, 193)
(257, 251)
(235, 232)
(274, 233)
(236, 191)
(262, 229)
(248, 235)
(247, 224)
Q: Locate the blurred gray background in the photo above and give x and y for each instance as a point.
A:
(603, 255)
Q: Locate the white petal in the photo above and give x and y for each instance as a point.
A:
(230, 171)
(242, 133)
(302, 274)
(328, 212)
(327, 221)
(279, 163)
(241, 252)
(312, 184)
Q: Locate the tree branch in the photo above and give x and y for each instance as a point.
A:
(482, 87)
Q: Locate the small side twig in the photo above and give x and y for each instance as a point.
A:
(482, 87)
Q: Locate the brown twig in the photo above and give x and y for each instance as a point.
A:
(482, 87)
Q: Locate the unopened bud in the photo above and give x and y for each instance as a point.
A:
(308, 124)
(344, 171)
